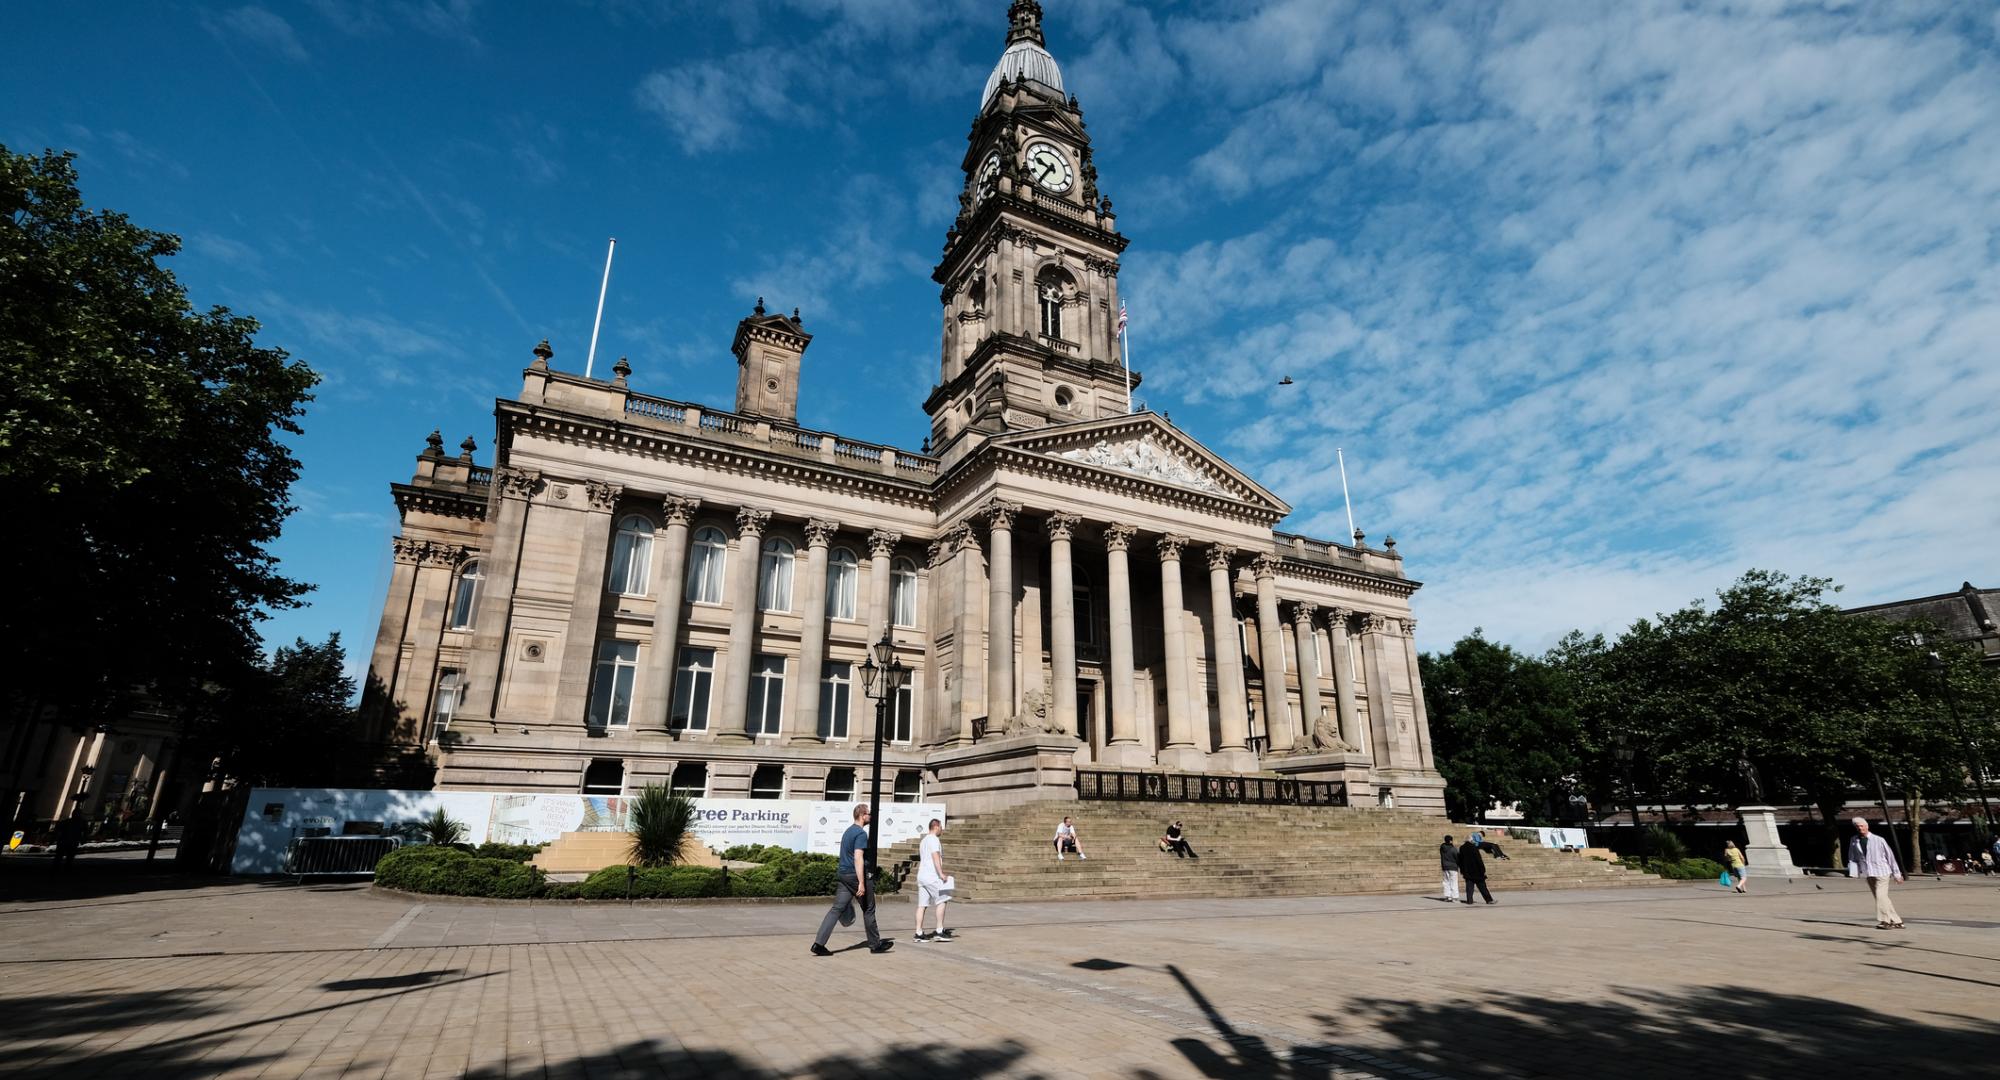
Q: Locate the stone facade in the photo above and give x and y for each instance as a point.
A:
(648, 589)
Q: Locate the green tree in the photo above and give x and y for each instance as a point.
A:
(281, 722)
(1503, 726)
(141, 440)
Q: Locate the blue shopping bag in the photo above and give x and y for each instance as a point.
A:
(1724, 881)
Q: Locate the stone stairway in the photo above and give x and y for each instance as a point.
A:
(1244, 850)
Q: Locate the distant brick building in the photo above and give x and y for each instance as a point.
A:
(1965, 616)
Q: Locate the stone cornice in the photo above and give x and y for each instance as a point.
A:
(1078, 474)
(441, 501)
(1299, 569)
(577, 429)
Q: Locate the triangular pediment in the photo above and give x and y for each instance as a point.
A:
(1145, 446)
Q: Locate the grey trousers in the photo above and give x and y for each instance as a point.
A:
(843, 898)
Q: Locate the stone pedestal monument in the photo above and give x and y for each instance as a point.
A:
(1766, 854)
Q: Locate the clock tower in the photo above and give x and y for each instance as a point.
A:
(1029, 274)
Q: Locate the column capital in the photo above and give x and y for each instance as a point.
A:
(517, 483)
(1170, 547)
(882, 544)
(1061, 526)
(1409, 627)
(751, 521)
(938, 552)
(679, 509)
(819, 532)
(1338, 617)
(602, 496)
(1374, 623)
(1304, 610)
(1221, 557)
(1118, 536)
(965, 538)
(406, 550)
(1264, 566)
(999, 513)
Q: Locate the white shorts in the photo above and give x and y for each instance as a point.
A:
(932, 893)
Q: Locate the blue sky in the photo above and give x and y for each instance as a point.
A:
(1606, 303)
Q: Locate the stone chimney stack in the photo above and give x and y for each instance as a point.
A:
(768, 351)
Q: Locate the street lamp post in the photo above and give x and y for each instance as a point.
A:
(1958, 726)
(882, 674)
(1625, 754)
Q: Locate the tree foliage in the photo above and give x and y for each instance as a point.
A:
(141, 441)
(1503, 726)
(283, 722)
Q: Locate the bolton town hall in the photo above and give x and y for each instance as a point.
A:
(645, 590)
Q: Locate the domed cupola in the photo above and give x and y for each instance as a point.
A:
(1026, 57)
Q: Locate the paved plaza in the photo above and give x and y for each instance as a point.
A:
(132, 976)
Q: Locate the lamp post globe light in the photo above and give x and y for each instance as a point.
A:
(882, 674)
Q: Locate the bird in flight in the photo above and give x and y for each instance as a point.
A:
(1286, 381)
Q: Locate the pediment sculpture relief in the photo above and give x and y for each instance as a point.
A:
(1145, 457)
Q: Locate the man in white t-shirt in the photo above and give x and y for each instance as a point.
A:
(933, 886)
(1066, 841)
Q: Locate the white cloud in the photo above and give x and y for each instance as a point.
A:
(260, 27)
(709, 104)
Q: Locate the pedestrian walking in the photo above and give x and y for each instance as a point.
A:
(1869, 856)
(1732, 857)
(1472, 867)
(934, 886)
(69, 837)
(1448, 862)
(1066, 840)
(854, 888)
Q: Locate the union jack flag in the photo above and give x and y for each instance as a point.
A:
(1121, 316)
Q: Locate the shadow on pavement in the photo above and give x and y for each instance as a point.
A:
(649, 1058)
(390, 982)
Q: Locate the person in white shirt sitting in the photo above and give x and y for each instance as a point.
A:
(1066, 841)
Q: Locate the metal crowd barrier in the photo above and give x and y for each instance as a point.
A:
(347, 855)
(1120, 785)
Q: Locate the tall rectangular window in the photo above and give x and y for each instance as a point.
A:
(694, 679)
(611, 693)
(767, 695)
(450, 690)
(835, 692)
(902, 714)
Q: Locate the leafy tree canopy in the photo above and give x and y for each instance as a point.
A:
(1503, 726)
(141, 440)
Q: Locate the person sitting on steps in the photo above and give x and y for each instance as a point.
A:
(1177, 843)
(1066, 840)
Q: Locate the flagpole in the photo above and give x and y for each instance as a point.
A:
(1125, 353)
(599, 321)
(1341, 455)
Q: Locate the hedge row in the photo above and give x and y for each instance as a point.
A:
(451, 871)
(1676, 869)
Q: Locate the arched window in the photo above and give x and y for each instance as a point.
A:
(841, 575)
(840, 785)
(768, 782)
(604, 776)
(689, 778)
(631, 556)
(909, 785)
(776, 575)
(706, 561)
(1053, 288)
(903, 592)
(465, 603)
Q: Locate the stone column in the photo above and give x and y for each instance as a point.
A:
(1180, 751)
(881, 578)
(431, 603)
(1000, 614)
(512, 490)
(741, 587)
(1124, 747)
(1271, 642)
(579, 657)
(940, 718)
(804, 725)
(669, 574)
(1381, 715)
(1309, 702)
(1343, 679)
(1062, 623)
(1423, 719)
(1231, 702)
(971, 662)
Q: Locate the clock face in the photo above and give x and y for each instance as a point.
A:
(987, 173)
(1049, 168)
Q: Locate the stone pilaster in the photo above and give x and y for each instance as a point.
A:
(1337, 620)
(741, 588)
(971, 633)
(804, 724)
(1381, 714)
(579, 656)
(1309, 701)
(512, 490)
(881, 578)
(1422, 717)
(1231, 702)
(669, 575)
(382, 705)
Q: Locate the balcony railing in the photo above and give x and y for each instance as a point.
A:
(480, 474)
(1120, 786)
(823, 445)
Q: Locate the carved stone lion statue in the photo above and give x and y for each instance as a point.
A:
(1325, 737)
(1035, 717)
